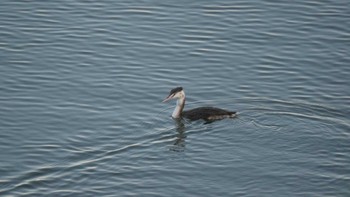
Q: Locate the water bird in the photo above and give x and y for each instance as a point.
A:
(205, 113)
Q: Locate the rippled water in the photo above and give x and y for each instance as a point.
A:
(82, 85)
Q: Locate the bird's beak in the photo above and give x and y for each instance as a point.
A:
(168, 98)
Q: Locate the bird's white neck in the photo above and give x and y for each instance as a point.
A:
(180, 104)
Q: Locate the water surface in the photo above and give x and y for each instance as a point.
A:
(82, 85)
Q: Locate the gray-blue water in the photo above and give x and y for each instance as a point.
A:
(81, 85)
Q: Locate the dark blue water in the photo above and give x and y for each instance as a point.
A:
(81, 85)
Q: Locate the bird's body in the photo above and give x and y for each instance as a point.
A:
(205, 113)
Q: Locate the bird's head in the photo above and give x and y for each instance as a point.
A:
(175, 93)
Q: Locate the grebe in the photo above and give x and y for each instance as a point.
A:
(205, 113)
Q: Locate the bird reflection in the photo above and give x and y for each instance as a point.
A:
(179, 143)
